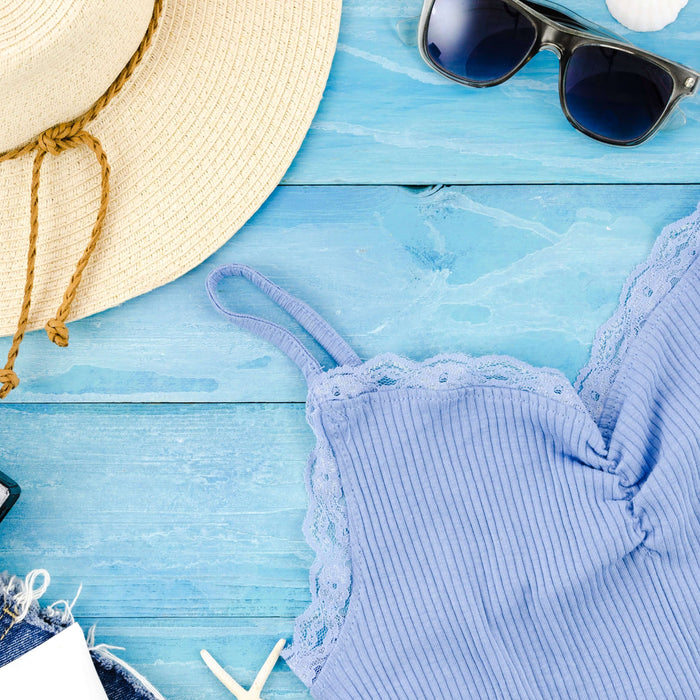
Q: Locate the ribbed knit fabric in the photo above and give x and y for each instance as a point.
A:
(502, 543)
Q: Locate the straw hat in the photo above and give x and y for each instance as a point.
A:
(137, 137)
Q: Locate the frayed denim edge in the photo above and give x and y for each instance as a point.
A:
(23, 596)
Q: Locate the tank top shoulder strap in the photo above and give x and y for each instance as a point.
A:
(284, 339)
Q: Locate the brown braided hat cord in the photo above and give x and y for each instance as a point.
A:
(59, 138)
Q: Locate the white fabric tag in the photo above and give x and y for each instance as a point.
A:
(60, 669)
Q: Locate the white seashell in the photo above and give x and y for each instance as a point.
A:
(645, 15)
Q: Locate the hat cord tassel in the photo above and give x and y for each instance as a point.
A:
(55, 141)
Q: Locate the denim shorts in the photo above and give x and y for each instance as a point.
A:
(25, 625)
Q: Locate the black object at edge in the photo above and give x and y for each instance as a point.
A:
(14, 490)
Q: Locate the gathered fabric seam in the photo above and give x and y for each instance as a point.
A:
(367, 380)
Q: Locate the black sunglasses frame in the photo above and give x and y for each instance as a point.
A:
(563, 36)
(9, 493)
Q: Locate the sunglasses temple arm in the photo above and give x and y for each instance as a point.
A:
(675, 120)
(407, 31)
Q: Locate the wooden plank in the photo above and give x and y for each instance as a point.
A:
(520, 270)
(161, 510)
(167, 653)
(388, 118)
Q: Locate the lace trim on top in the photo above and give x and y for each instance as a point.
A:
(439, 373)
(326, 529)
(326, 524)
(672, 255)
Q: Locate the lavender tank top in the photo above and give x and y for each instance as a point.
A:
(484, 529)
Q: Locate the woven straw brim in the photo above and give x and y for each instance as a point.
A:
(198, 138)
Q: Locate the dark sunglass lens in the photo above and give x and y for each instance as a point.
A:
(480, 40)
(615, 94)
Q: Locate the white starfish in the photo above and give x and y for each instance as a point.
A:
(238, 690)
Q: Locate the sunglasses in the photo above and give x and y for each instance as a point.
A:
(9, 493)
(608, 89)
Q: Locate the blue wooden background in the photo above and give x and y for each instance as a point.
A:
(162, 455)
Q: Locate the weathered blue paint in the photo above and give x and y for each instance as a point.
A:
(182, 516)
(527, 271)
(161, 509)
(451, 134)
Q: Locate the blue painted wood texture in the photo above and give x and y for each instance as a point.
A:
(162, 454)
(522, 270)
(388, 118)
